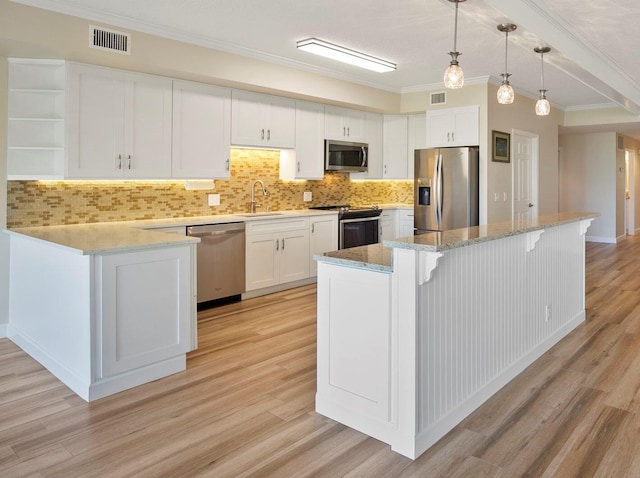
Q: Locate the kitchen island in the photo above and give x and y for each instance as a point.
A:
(415, 334)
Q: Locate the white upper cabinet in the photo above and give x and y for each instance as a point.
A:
(343, 124)
(119, 124)
(453, 127)
(416, 139)
(262, 120)
(36, 120)
(307, 160)
(394, 147)
(373, 138)
(201, 131)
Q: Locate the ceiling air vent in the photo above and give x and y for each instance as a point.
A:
(438, 98)
(111, 40)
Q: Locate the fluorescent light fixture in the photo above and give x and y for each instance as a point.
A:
(345, 55)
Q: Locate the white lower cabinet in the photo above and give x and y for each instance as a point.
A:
(143, 317)
(323, 238)
(277, 251)
(387, 226)
(405, 222)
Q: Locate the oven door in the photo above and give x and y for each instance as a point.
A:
(358, 232)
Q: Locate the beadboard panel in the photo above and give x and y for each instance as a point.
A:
(504, 300)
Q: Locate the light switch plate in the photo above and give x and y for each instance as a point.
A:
(213, 199)
(306, 196)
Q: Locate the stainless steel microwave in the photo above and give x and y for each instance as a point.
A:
(345, 156)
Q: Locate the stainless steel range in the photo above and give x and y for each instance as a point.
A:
(356, 226)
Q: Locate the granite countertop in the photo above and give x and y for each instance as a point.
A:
(379, 257)
(126, 236)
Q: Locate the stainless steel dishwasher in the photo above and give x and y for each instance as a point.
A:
(220, 260)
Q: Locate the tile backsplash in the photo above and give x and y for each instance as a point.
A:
(44, 203)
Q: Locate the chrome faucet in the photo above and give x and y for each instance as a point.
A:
(253, 195)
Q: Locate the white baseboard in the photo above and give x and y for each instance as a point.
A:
(607, 240)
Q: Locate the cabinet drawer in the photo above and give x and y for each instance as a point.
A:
(276, 225)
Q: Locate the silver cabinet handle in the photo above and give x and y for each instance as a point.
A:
(448, 137)
(298, 166)
(262, 134)
(119, 162)
(313, 228)
(129, 163)
(227, 164)
(277, 244)
(283, 243)
(269, 135)
(453, 136)
(348, 131)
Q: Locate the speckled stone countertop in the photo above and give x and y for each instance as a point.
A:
(114, 237)
(379, 256)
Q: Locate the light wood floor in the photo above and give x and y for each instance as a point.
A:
(245, 406)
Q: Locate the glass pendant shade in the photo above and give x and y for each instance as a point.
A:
(543, 108)
(453, 77)
(505, 94)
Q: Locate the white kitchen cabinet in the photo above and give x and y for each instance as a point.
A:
(373, 128)
(323, 237)
(36, 119)
(405, 222)
(103, 322)
(344, 124)
(453, 127)
(394, 147)
(307, 160)
(201, 131)
(416, 139)
(262, 120)
(143, 318)
(277, 251)
(387, 225)
(119, 124)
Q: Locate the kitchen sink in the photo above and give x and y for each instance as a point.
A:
(257, 214)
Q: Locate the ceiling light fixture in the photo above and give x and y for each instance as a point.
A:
(345, 55)
(505, 92)
(453, 75)
(543, 108)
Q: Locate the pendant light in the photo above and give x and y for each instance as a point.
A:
(543, 108)
(453, 75)
(505, 92)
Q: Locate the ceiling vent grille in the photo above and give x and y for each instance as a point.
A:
(438, 98)
(111, 40)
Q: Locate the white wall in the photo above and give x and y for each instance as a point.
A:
(590, 181)
(4, 239)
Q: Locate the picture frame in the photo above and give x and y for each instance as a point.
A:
(501, 146)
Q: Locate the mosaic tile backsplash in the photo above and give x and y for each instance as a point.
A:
(47, 203)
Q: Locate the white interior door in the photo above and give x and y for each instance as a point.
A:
(524, 153)
(630, 160)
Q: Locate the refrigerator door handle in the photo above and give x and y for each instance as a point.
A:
(440, 198)
(435, 188)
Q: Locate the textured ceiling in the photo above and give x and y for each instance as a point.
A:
(594, 59)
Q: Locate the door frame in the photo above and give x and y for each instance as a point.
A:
(535, 154)
(629, 204)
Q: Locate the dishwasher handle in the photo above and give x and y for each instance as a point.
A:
(208, 230)
(213, 233)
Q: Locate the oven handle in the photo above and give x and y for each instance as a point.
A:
(361, 219)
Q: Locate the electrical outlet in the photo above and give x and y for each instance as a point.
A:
(496, 197)
(213, 199)
(306, 196)
(504, 195)
(547, 312)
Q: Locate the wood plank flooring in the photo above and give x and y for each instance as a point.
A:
(245, 406)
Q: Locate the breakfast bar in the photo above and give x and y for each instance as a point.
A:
(416, 333)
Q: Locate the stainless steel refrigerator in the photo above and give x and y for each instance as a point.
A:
(445, 189)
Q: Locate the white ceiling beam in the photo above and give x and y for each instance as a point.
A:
(580, 59)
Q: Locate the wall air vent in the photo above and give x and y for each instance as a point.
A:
(111, 40)
(438, 98)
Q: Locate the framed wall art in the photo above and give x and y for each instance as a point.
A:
(501, 146)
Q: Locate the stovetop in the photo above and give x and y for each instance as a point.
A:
(345, 211)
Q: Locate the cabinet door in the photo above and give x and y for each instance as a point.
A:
(262, 120)
(344, 124)
(307, 161)
(438, 128)
(416, 139)
(261, 260)
(147, 132)
(294, 256)
(374, 133)
(323, 238)
(405, 223)
(394, 147)
(465, 126)
(387, 229)
(144, 317)
(96, 122)
(280, 122)
(201, 131)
